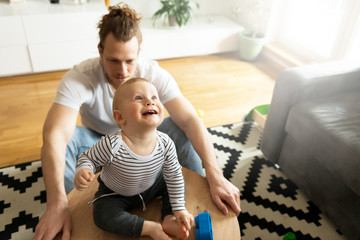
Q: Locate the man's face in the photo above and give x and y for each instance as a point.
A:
(120, 59)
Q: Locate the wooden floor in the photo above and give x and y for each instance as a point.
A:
(224, 87)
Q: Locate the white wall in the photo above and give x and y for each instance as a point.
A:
(207, 7)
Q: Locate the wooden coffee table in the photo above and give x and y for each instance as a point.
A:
(197, 199)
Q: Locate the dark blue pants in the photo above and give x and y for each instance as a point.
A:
(111, 213)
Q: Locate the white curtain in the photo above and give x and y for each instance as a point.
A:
(317, 30)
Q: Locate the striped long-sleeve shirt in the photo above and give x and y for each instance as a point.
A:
(129, 174)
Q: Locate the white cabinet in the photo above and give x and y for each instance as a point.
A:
(14, 58)
(201, 36)
(58, 56)
(37, 36)
(58, 41)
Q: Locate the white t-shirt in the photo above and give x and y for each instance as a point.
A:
(86, 89)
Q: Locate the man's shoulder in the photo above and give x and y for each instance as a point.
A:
(146, 65)
(88, 66)
(144, 59)
(86, 72)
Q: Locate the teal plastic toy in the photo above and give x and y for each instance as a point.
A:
(203, 227)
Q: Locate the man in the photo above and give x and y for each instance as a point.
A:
(89, 88)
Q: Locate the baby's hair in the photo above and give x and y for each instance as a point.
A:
(117, 93)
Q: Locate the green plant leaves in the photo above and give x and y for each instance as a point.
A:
(180, 9)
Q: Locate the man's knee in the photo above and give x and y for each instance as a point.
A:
(82, 140)
(169, 127)
(187, 155)
(69, 184)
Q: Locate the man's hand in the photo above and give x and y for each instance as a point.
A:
(55, 220)
(83, 178)
(224, 191)
(185, 116)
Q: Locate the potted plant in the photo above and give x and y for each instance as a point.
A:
(252, 38)
(178, 12)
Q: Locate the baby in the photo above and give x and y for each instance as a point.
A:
(138, 164)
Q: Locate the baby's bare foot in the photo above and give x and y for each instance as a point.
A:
(171, 227)
(154, 230)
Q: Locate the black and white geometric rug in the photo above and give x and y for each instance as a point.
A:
(22, 200)
(271, 204)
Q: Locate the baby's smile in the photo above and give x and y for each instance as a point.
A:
(150, 112)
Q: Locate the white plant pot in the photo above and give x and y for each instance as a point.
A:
(250, 48)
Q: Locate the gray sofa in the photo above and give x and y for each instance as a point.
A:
(312, 132)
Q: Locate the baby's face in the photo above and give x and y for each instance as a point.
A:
(140, 104)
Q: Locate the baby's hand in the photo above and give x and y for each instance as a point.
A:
(184, 219)
(83, 178)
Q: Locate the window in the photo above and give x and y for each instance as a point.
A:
(318, 30)
(354, 48)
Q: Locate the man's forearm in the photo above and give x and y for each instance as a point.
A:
(58, 129)
(200, 139)
(53, 167)
(185, 116)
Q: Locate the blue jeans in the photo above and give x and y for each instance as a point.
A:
(84, 138)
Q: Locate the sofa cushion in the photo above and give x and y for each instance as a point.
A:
(335, 199)
(329, 128)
